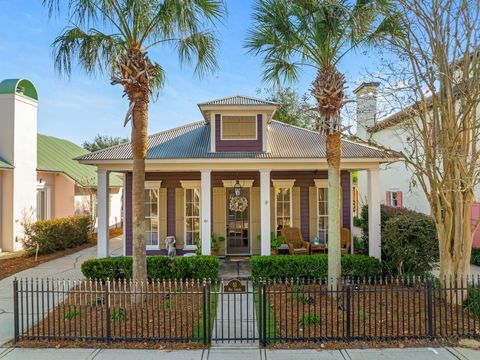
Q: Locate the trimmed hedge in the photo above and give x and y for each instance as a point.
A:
(56, 234)
(312, 266)
(158, 267)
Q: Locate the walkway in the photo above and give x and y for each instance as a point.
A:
(241, 354)
(67, 267)
(236, 313)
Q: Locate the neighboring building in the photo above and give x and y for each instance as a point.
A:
(396, 184)
(38, 177)
(194, 171)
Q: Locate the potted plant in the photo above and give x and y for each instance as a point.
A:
(215, 244)
(275, 242)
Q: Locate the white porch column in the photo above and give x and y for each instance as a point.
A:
(124, 209)
(374, 234)
(102, 213)
(265, 211)
(206, 211)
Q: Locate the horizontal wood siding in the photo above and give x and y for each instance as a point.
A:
(238, 145)
(218, 176)
(346, 198)
(128, 214)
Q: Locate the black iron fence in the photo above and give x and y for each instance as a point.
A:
(244, 311)
(371, 309)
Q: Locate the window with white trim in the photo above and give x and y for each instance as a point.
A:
(192, 215)
(283, 208)
(239, 128)
(152, 215)
(394, 198)
(43, 204)
(322, 213)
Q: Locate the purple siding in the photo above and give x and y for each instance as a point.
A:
(128, 214)
(171, 226)
(346, 198)
(238, 145)
(171, 181)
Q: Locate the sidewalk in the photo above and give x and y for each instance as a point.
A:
(67, 267)
(241, 354)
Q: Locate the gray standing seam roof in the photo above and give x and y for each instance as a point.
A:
(238, 100)
(192, 141)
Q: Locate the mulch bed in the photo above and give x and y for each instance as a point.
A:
(391, 311)
(164, 311)
(11, 266)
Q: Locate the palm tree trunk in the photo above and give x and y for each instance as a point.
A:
(139, 150)
(334, 152)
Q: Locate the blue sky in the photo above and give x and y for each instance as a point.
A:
(82, 106)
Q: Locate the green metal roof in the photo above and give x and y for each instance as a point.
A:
(57, 155)
(4, 164)
(22, 86)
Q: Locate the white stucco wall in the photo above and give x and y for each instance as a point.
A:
(18, 146)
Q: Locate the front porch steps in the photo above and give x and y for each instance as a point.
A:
(235, 267)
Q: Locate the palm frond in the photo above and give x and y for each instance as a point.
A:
(199, 48)
(93, 50)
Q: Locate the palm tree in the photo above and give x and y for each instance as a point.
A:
(291, 34)
(114, 36)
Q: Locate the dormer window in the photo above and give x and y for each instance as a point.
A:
(239, 128)
(238, 123)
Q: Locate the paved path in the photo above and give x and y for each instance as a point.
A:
(241, 354)
(235, 318)
(66, 267)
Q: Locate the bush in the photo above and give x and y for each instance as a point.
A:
(386, 213)
(56, 234)
(472, 303)
(313, 266)
(475, 258)
(409, 244)
(158, 267)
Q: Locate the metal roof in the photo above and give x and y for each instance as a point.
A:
(238, 100)
(21, 86)
(4, 164)
(193, 141)
(56, 155)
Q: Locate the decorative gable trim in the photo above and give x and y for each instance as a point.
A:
(283, 183)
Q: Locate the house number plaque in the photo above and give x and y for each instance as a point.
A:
(234, 286)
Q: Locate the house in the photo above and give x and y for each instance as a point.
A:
(38, 177)
(396, 185)
(237, 158)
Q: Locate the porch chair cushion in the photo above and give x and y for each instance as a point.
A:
(345, 237)
(294, 240)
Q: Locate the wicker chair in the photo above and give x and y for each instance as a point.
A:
(345, 237)
(295, 242)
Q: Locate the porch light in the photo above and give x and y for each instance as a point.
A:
(237, 188)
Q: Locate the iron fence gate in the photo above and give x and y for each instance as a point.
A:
(235, 311)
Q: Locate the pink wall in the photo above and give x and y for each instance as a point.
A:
(62, 194)
(475, 218)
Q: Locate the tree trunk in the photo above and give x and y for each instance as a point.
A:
(455, 253)
(334, 152)
(139, 150)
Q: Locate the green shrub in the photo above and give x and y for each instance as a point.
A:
(313, 266)
(472, 303)
(158, 267)
(56, 234)
(475, 258)
(409, 244)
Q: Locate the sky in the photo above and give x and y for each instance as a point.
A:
(82, 106)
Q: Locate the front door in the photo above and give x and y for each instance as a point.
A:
(238, 226)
